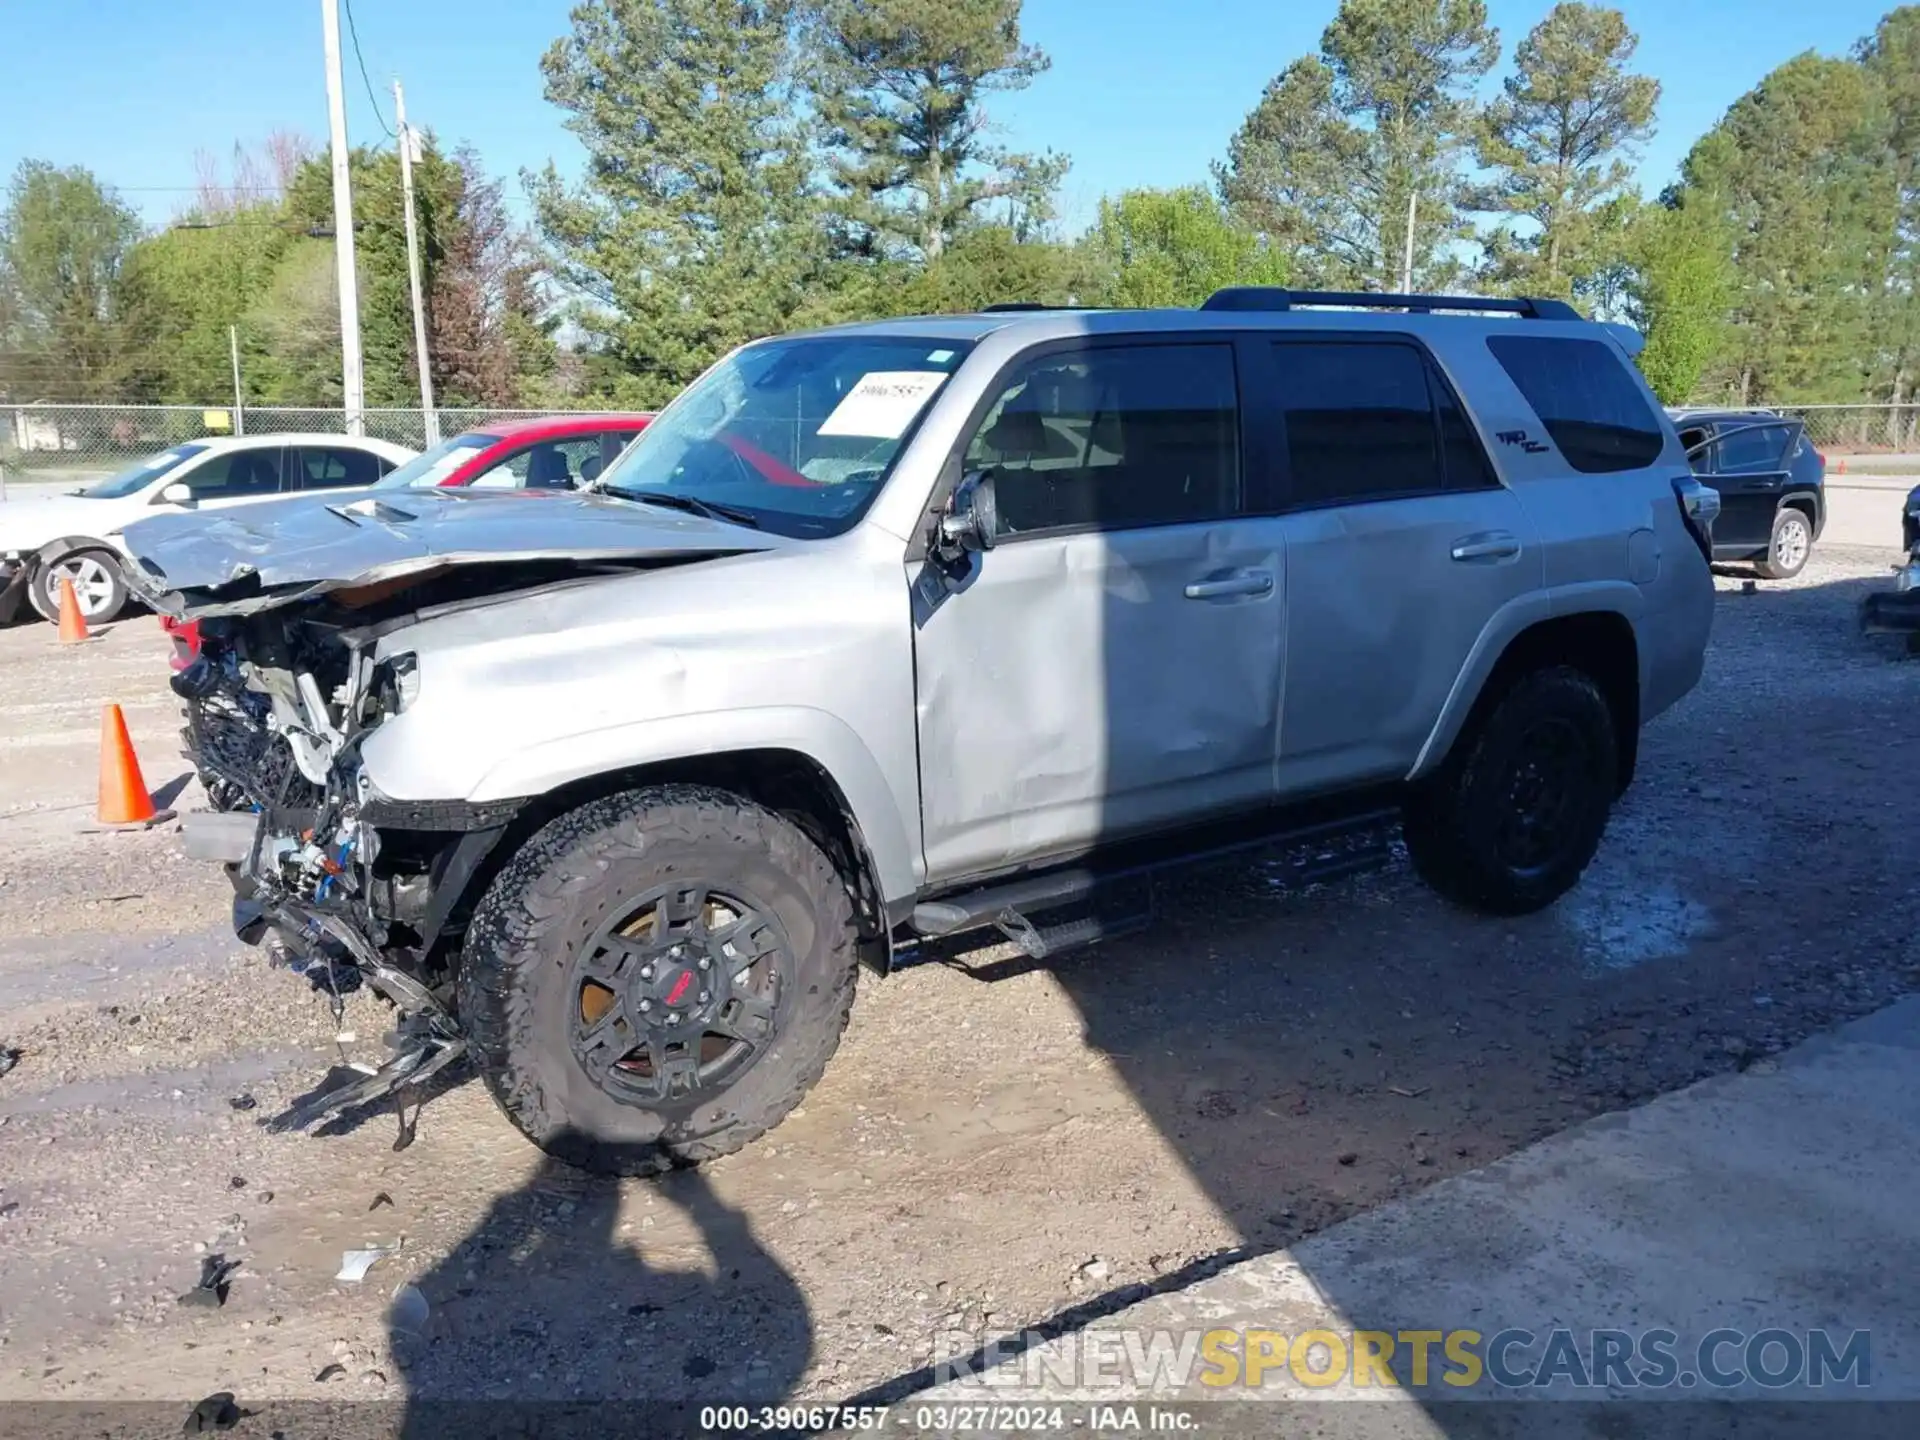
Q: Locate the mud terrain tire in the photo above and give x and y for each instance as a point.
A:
(518, 992)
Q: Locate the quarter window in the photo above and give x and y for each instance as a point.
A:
(1114, 438)
(1590, 405)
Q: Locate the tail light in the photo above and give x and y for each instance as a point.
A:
(1699, 508)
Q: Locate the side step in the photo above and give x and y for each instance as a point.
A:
(1337, 847)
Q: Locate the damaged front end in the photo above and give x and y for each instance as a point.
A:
(333, 888)
(304, 612)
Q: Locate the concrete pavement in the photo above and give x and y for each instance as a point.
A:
(1783, 1199)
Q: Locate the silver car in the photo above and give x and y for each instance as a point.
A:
(919, 627)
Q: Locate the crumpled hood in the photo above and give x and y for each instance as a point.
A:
(255, 557)
(29, 524)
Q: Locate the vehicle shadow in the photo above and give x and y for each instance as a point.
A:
(554, 1302)
(1310, 1054)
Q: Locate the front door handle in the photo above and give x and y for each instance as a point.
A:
(1257, 583)
(1493, 545)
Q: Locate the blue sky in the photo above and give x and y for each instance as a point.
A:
(1142, 92)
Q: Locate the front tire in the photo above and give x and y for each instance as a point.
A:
(657, 978)
(1789, 546)
(98, 585)
(1516, 813)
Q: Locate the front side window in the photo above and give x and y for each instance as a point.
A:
(548, 465)
(795, 435)
(1591, 406)
(432, 466)
(132, 481)
(1114, 437)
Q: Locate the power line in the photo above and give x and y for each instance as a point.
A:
(353, 31)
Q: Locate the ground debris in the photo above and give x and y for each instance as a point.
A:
(9, 1057)
(383, 1198)
(354, 1264)
(216, 1412)
(216, 1278)
(329, 1372)
(242, 1102)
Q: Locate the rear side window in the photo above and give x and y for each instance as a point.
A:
(1582, 393)
(1748, 448)
(1371, 421)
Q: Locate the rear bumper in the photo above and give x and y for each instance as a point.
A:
(1895, 611)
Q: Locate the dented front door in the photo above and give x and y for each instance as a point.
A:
(1113, 663)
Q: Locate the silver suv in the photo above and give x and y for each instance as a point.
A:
(922, 627)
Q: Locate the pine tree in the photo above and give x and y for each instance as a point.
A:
(901, 87)
(694, 228)
(1891, 57)
(1559, 141)
(1327, 163)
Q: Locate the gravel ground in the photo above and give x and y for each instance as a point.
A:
(998, 1145)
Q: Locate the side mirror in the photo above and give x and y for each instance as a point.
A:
(972, 517)
(178, 493)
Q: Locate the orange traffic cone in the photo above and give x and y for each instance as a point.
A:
(124, 797)
(73, 624)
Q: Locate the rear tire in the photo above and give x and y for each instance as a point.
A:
(98, 584)
(589, 945)
(1789, 547)
(1516, 813)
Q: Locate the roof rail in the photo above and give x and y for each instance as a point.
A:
(1002, 306)
(1273, 297)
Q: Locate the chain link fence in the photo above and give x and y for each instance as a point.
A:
(69, 445)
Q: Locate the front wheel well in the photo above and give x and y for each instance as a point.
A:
(1598, 643)
(787, 782)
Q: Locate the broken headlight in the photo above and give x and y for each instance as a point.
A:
(396, 685)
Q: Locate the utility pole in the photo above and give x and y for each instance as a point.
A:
(351, 378)
(1406, 262)
(239, 404)
(413, 267)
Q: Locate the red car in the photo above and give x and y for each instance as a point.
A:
(551, 452)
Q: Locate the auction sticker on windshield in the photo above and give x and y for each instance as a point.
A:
(883, 403)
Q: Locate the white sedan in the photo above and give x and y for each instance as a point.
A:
(77, 536)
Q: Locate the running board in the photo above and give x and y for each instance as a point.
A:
(1054, 889)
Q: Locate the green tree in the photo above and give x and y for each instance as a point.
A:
(901, 87)
(1175, 247)
(1800, 165)
(64, 238)
(1559, 140)
(1891, 56)
(694, 228)
(488, 334)
(1681, 285)
(1326, 164)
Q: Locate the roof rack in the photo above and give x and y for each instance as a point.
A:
(1273, 297)
(1001, 306)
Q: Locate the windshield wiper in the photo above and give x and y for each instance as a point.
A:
(672, 500)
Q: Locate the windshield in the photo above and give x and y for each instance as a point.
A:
(795, 435)
(435, 465)
(130, 482)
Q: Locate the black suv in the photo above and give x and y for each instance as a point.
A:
(1772, 484)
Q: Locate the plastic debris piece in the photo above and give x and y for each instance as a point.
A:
(216, 1412)
(354, 1264)
(410, 1310)
(381, 1199)
(216, 1278)
(9, 1057)
(242, 1102)
(329, 1372)
(1407, 1094)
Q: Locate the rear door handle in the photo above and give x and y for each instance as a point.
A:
(1492, 545)
(1257, 583)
